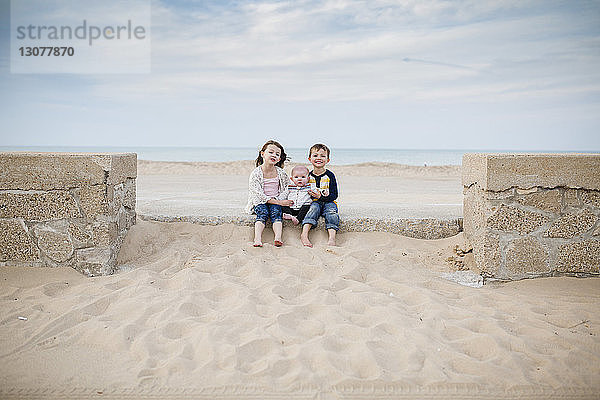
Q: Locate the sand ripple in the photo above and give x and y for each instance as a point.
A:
(198, 307)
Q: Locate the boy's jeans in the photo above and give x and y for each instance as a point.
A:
(327, 210)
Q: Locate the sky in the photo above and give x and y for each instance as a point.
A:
(430, 74)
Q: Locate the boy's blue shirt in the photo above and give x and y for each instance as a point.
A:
(325, 181)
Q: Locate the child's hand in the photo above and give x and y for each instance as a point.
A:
(287, 203)
(316, 194)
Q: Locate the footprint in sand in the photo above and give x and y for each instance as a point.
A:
(294, 323)
(359, 274)
(482, 348)
(188, 352)
(55, 289)
(454, 333)
(120, 284)
(253, 356)
(192, 310)
(289, 293)
(362, 365)
(175, 330)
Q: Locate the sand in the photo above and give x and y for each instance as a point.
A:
(147, 167)
(199, 190)
(196, 311)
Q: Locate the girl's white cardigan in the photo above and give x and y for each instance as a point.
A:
(256, 192)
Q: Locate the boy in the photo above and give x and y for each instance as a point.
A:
(298, 192)
(324, 196)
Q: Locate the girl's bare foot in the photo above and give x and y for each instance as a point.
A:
(278, 243)
(258, 244)
(305, 241)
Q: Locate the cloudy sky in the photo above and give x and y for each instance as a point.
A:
(438, 74)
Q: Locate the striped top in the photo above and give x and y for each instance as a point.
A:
(299, 195)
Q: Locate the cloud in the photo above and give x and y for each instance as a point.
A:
(339, 50)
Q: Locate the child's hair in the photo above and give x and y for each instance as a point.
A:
(304, 168)
(319, 146)
(259, 159)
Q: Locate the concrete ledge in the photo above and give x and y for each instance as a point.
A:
(533, 215)
(418, 228)
(497, 172)
(66, 209)
(60, 171)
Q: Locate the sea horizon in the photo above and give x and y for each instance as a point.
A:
(339, 156)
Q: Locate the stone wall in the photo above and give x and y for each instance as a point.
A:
(66, 209)
(530, 215)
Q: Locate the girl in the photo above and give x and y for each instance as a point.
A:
(268, 185)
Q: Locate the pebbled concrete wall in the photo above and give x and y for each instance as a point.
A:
(66, 209)
(530, 215)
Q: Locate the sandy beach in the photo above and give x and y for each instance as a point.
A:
(196, 311)
(379, 190)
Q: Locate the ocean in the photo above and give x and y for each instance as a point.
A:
(214, 154)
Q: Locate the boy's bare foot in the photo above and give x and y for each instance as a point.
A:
(305, 241)
(331, 241)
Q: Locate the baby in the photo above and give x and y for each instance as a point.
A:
(298, 192)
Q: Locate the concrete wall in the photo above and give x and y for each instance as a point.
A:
(529, 215)
(66, 209)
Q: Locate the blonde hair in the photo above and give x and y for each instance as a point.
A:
(297, 167)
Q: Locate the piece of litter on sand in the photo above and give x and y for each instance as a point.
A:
(391, 294)
(465, 278)
(22, 318)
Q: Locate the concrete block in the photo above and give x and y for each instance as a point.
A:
(526, 256)
(55, 245)
(104, 233)
(93, 200)
(504, 195)
(475, 209)
(38, 206)
(487, 254)
(509, 219)
(50, 171)
(580, 257)
(527, 191)
(571, 199)
(591, 197)
(95, 261)
(126, 219)
(81, 234)
(79, 207)
(499, 172)
(129, 194)
(123, 167)
(572, 224)
(547, 200)
(541, 207)
(16, 243)
(475, 170)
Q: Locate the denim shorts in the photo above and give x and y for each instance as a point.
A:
(266, 210)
